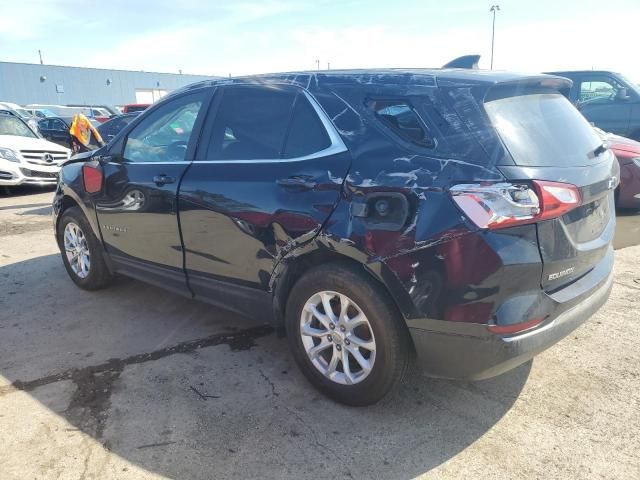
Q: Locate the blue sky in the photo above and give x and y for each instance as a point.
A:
(250, 36)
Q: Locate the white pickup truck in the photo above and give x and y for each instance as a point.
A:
(25, 158)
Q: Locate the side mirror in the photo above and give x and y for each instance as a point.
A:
(622, 95)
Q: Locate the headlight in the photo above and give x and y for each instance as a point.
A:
(636, 161)
(8, 154)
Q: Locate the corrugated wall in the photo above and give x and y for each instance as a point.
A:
(22, 83)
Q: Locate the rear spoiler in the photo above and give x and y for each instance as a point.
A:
(517, 86)
(465, 61)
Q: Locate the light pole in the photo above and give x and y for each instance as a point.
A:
(493, 9)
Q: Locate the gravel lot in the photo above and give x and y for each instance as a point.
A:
(135, 382)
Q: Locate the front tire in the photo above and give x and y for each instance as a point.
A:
(346, 334)
(82, 254)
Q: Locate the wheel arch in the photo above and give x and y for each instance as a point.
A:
(320, 252)
(66, 199)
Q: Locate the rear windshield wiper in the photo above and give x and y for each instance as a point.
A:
(599, 150)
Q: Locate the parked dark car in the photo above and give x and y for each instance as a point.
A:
(374, 214)
(110, 129)
(607, 99)
(56, 129)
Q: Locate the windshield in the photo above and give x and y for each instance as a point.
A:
(46, 112)
(629, 84)
(23, 113)
(543, 130)
(14, 126)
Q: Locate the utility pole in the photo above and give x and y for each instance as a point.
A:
(317, 64)
(40, 54)
(328, 66)
(493, 9)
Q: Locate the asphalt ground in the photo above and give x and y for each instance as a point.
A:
(135, 382)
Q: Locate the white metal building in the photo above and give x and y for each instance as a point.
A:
(26, 83)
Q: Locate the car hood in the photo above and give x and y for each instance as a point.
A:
(15, 142)
(622, 144)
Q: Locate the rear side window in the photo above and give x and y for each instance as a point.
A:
(543, 130)
(400, 117)
(251, 123)
(307, 135)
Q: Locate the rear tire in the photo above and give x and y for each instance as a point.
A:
(81, 251)
(363, 329)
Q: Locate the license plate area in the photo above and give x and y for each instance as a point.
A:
(587, 222)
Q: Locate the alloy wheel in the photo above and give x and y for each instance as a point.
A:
(77, 250)
(337, 337)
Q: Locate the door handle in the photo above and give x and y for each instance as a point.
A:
(297, 182)
(163, 180)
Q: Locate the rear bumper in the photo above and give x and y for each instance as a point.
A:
(470, 351)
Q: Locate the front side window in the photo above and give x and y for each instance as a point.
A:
(10, 125)
(58, 125)
(400, 117)
(598, 90)
(164, 135)
(251, 123)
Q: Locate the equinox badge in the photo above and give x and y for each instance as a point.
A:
(562, 273)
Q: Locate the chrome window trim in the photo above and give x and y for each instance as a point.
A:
(337, 145)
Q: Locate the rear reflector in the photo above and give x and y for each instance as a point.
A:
(92, 178)
(515, 327)
(500, 205)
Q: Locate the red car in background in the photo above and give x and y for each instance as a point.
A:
(134, 107)
(628, 153)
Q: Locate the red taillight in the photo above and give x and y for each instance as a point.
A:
(500, 205)
(92, 178)
(515, 327)
(556, 198)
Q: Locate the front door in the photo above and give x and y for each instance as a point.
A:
(267, 177)
(137, 208)
(600, 103)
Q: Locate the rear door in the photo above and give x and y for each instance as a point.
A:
(549, 140)
(137, 207)
(267, 175)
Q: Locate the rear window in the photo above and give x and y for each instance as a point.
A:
(543, 130)
(251, 123)
(400, 117)
(307, 134)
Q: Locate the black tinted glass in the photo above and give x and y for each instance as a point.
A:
(251, 123)
(307, 134)
(402, 119)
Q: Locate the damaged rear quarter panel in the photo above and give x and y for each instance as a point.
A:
(437, 264)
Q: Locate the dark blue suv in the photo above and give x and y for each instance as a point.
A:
(461, 217)
(607, 99)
